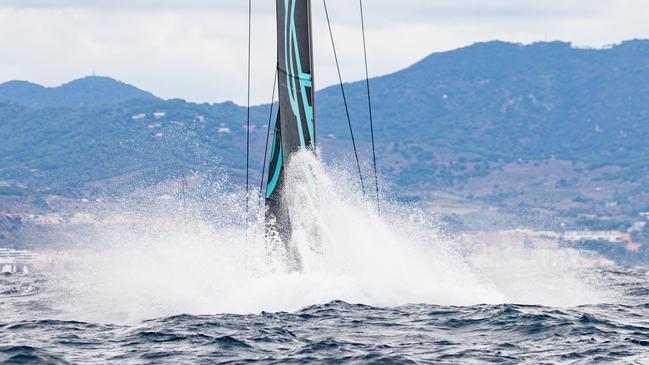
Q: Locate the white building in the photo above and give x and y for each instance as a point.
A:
(610, 236)
(16, 261)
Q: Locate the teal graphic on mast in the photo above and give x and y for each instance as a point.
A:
(295, 125)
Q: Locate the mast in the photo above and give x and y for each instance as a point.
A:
(295, 125)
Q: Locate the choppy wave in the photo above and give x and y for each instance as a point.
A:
(341, 332)
(222, 292)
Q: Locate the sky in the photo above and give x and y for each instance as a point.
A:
(197, 49)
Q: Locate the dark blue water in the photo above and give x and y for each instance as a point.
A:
(335, 332)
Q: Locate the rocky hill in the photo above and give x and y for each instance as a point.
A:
(546, 128)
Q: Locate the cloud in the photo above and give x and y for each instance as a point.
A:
(196, 49)
(127, 4)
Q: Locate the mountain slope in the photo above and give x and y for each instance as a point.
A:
(512, 100)
(85, 92)
(517, 125)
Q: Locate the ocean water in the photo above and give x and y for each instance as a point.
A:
(32, 331)
(194, 284)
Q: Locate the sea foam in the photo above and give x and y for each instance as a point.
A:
(206, 259)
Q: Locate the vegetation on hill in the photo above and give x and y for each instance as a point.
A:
(464, 119)
(85, 92)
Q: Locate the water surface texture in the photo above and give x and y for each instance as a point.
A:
(335, 332)
(166, 286)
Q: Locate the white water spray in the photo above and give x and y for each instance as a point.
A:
(164, 264)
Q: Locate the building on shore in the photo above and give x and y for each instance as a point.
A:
(17, 261)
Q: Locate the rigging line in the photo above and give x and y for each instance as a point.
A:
(270, 119)
(248, 109)
(369, 106)
(342, 89)
(183, 186)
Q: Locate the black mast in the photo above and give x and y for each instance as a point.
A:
(295, 125)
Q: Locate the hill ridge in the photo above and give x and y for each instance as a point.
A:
(463, 121)
(88, 91)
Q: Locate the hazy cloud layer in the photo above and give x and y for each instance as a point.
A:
(196, 49)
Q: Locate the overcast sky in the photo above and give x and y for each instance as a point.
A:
(196, 49)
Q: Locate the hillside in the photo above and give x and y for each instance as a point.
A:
(89, 91)
(546, 128)
(506, 100)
